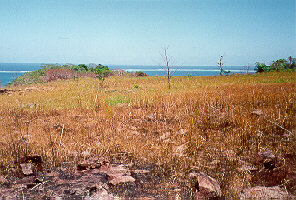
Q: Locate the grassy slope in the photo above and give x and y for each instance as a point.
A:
(198, 121)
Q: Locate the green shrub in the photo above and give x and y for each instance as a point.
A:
(102, 71)
(80, 68)
(140, 73)
(36, 76)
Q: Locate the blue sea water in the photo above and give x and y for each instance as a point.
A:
(9, 71)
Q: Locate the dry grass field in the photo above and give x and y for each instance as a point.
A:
(216, 125)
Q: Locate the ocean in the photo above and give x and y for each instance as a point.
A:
(9, 71)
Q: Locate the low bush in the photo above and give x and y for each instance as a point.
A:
(30, 77)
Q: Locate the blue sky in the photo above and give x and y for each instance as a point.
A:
(133, 32)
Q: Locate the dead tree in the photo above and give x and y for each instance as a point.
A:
(220, 65)
(222, 71)
(167, 67)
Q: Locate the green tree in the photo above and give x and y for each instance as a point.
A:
(102, 72)
(80, 68)
(292, 62)
(261, 67)
(279, 65)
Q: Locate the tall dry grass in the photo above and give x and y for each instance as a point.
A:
(202, 123)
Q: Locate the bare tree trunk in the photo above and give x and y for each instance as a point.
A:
(169, 75)
(220, 65)
(167, 61)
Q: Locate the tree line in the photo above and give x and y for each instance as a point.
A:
(278, 65)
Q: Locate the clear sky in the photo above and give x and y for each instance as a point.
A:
(133, 32)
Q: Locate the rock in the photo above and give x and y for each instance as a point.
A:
(116, 174)
(27, 169)
(257, 112)
(244, 166)
(268, 159)
(33, 105)
(35, 160)
(85, 153)
(180, 150)
(183, 131)
(50, 173)
(116, 179)
(3, 180)
(214, 164)
(26, 180)
(92, 163)
(204, 186)
(99, 191)
(165, 135)
(151, 117)
(117, 169)
(261, 192)
(139, 171)
(266, 155)
(25, 139)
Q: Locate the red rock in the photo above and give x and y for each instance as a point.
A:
(92, 163)
(117, 179)
(3, 180)
(137, 171)
(205, 186)
(257, 112)
(27, 168)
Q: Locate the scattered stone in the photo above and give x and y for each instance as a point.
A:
(259, 133)
(204, 186)
(266, 155)
(244, 166)
(116, 179)
(151, 117)
(85, 153)
(257, 112)
(115, 169)
(164, 136)
(25, 139)
(27, 169)
(33, 163)
(268, 159)
(99, 191)
(3, 180)
(183, 131)
(180, 150)
(26, 180)
(50, 173)
(261, 192)
(32, 105)
(138, 171)
(92, 163)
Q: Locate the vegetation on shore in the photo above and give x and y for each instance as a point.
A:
(209, 124)
(278, 65)
(52, 72)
